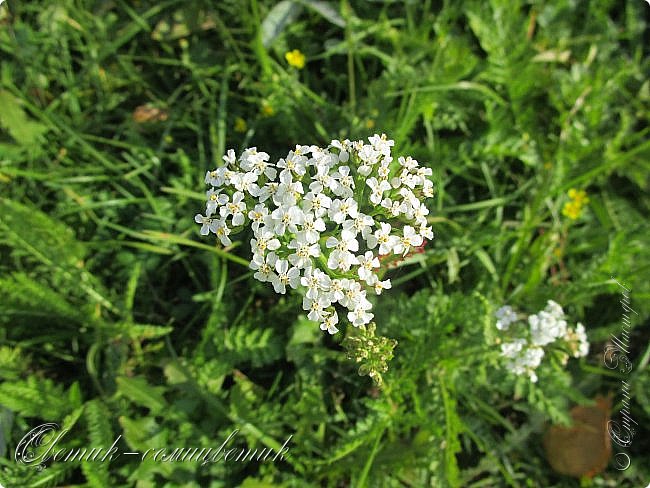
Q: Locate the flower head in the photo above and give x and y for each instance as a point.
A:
(524, 349)
(295, 58)
(321, 219)
(573, 208)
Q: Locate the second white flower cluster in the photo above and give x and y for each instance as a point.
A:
(525, 354)
(322, 218)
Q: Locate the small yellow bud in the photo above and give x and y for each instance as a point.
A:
(240, 125)
(267, 110)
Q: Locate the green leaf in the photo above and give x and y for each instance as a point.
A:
(35, 397)
(13, 118)
(326, 10)
(277, 19)
(140, 392)
(453, 264)
(47, 239)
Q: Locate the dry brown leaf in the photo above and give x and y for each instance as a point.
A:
(147, 113)
(583, 449)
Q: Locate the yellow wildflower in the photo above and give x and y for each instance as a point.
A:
(240, 125)
(578, 196)
(573, 209)
(267, 109)
(295, 58)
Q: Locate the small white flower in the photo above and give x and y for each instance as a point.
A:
(360, 224)
(545, 328)
(506, 316)
(304, 252)
(395, 207)
(329, 323)
(251, 158)
(316, 202)
(382, 285)
(315, 281)
(360, 317)
(381, 144)
(368, 155)
(425, 231)
(427, 189)
(532, 357)
(214, 200)
(409, 163)
(346, 182)
(410, 201)
(354, 297)
(323, 181)
(259, 216)
(215, 177)
(286, 276)
(522, 359)
(206, 223)
(268, 191)
(343, 147)
(265, 240)
(577, 339)
(294, 163)
(383, 237)
(322, 158)
(554, 309)
(423, 174)
(258, 164)
(236, 208)
(583, 343)
(419, 213)
(311, 228)
(337, 289)
(341, 209)
(366, 263)
(316, 308)
(247, 182)
(383, 171)
(222, 231)
(378, 188)
(364, 170)
(512, 349)
(264, 267)
(410, 239)
(287, 217)
(288, 191)
(341, 257)
(229, 158)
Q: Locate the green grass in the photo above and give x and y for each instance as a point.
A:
(118, 318)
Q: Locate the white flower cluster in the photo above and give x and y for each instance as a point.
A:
(322, 218)
(524, 355)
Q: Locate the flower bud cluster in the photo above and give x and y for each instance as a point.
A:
(525, 354)
(372, 351)
(322, 218)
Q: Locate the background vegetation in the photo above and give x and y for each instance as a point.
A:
(118, 318)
